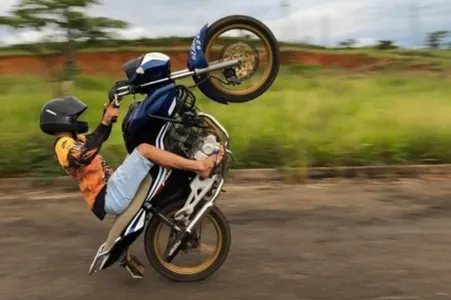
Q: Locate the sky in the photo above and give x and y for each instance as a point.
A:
(324, 22)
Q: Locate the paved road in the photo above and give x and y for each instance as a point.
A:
(321, 241)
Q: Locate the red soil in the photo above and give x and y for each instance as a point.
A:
(111, 62)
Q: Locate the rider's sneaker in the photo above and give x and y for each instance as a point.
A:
(134, 267)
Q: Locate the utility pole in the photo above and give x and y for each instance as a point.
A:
(285, 7)
(285, 10)
(325, 30)
(414, 23)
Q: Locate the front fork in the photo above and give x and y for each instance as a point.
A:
(181, 237)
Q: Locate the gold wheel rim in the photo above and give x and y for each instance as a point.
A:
(189, 270)
(270, 59)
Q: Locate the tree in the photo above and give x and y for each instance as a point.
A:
(434, 39)
(386, 45)
(62, 18)
(349, 43)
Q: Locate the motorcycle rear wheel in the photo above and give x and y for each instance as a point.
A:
(187, 274)
(243, 22)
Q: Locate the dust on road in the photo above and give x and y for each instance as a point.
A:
(364, 240)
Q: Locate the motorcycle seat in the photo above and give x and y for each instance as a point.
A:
(121, 221)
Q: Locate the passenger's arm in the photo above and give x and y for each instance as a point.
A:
(170, 160)
(86, 153)
(95, 139)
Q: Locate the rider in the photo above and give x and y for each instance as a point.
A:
(106, 191)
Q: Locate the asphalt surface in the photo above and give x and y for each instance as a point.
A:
(343, 240)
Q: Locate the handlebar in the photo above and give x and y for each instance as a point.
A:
(124, 90)
(115, 99)
(116, 104)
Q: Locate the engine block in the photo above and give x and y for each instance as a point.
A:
(190, 141)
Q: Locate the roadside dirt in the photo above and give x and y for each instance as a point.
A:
(111, 62)
(342, 240)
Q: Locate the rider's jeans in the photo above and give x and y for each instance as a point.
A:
(125, 181)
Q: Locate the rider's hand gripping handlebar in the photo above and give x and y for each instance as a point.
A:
(116, 104)
(115, 95)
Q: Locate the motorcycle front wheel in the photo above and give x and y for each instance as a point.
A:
(239, 84)
(193, 272)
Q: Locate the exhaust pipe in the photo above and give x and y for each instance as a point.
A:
(174, 247)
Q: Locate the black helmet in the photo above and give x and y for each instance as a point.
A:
(60, 115)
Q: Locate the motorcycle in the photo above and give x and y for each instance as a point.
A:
(168, 118)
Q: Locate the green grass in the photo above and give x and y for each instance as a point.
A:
(313, 119)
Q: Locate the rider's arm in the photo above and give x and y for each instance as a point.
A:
(100, 134)
(103, 130)
(83, 155)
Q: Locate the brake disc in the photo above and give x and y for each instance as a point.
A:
(249, 56)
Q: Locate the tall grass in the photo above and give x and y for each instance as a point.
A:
(306, 119)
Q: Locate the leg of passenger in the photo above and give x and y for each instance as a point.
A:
(125, 181)
(121, 190)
